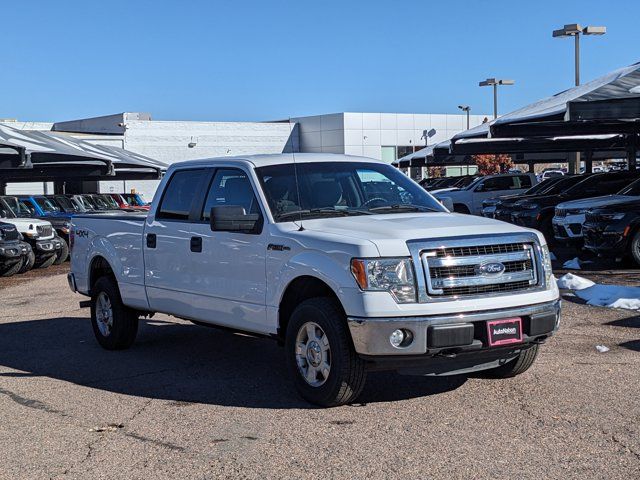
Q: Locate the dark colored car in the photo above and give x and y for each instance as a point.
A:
(13, 251)
(491, 205)
(555, 186)
(450, 182)
(614, 230)
(537, 211)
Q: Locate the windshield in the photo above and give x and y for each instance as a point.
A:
(100, 203)
(110, 201)
(632, 189)
(563, 184)
(18, 208)
(66, 204)
(46, 205)
(341, 189)
(87, 202)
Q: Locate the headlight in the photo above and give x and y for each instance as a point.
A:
(65, 227)
(32, 234)
(546, 265)
(611, 216)
(393, 275)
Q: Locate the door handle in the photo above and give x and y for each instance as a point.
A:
(196, 244)
(151, 240)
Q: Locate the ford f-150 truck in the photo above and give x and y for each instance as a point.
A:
(347, 262)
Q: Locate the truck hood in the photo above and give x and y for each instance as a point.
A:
(391, 232)
(597, 201)
(25, 225)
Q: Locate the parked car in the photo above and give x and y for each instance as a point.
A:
(546, 174)
(555, 186)
(570, 216)
(134, 200)
(14, 252)
(614, 230)
(39, 234)
(490, 205)
(458, 183)
(537, 212)
(66, 203)
(46, 209)
(347, 281)
(470, 198)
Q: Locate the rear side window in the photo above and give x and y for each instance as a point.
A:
(179, 194)
(230, 186)
(522, 181)
(498, 183)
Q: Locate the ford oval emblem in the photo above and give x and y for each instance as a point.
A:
(494, 268)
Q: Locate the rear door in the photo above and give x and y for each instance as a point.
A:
(167, 240)
(228, 269)
(499, 185)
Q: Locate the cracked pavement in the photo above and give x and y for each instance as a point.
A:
(192, 402)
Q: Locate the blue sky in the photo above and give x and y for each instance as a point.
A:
(263, 60)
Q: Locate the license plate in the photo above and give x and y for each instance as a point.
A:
(504, 332)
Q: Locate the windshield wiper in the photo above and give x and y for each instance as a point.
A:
(318, 211)
(399, 207)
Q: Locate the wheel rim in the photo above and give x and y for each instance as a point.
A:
(104, 314)
(313, 354)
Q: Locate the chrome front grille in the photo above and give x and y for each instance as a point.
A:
(44, 230)
(560, 212)
(477, 266)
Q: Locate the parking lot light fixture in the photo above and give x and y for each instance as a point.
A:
(467, 110)
(494, 82)
(575, 30)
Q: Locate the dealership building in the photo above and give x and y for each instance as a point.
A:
(383, 136)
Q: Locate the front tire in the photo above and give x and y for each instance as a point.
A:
(521, 364)
(11, 270)
(114, 324)
(46, 263)
(635, 247)
(326, 369)
(63, 254)
(28, 262)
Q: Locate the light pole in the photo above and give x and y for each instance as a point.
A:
(575, 30)
(494, 82)
(467, 109)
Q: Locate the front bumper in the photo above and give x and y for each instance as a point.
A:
(526, 218)
(489, 211)
(46, 248)
(12, 252)
(371, 335)
(569, 228)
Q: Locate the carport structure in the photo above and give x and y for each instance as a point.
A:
(73, 165)
(600, 118)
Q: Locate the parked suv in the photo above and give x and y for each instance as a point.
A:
(39, 234)
(570, 216)
(490, 205)
(614, 230)
(537, 212)
(470, 198)
(344, 260)
(46, 209)
(13, 251)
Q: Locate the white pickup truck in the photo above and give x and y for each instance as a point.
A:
(344, 260)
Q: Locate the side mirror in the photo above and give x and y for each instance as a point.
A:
(3, 214)
(233, 218)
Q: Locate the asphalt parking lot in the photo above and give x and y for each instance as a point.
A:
(191, 402)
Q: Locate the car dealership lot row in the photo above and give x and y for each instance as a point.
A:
(193, 402)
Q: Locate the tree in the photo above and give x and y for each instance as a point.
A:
(490, 164)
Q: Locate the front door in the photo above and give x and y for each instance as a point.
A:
(166, 244)
(228, 267)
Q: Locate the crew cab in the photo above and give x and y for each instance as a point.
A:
(344, 260)
(39, 234)
(469, 199)
(570, 216)
(13, 251)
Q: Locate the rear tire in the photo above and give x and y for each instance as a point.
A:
(325, 368)
(63, 254)
(12, 270)
(28, 262)
(521, 364)
(46, 263)
(114, 324)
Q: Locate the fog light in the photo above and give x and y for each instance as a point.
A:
(396, 338)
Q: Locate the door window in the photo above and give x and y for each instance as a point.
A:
(230, 186)
(179, 194)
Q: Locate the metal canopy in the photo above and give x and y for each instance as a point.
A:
(54, 156)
